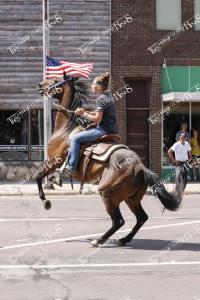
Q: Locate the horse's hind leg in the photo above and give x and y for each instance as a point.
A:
(141, 217)
(116, 216)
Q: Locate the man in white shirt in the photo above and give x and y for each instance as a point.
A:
(183, 155)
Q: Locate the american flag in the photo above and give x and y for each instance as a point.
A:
(55, 68)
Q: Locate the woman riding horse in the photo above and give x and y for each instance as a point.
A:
(127, 183)
(104, 116)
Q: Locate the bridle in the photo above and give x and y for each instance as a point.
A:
(57, 85)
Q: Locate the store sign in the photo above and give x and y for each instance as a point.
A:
(37, 148)
(21, 148)
(13, 148)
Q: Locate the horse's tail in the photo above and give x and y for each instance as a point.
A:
(171, 201)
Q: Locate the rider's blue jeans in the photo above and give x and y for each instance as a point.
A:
(89, 135)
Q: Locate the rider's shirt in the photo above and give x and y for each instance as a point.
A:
(105, 103)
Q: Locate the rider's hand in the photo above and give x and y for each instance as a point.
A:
(79, 111)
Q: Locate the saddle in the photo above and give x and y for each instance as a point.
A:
(100, 151)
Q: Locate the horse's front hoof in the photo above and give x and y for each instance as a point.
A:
(95, 243)
(47, 204)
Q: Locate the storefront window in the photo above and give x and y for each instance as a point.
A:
(37, 135)
(13, 137)
(22, 140)
(195, 115)
(171, 125)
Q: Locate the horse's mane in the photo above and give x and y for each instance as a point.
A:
(81, 95)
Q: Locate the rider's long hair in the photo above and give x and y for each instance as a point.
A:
(103, 81)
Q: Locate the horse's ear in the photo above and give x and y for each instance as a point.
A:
(65, 76)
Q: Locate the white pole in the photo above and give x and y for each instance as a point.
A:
(47, 103)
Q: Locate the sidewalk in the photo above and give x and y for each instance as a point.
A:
(7, 189)
(14, 189)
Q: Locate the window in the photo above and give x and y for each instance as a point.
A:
(22, 140)
(36, 132)
(197, 12)
(13, 137)
(168, 14)
(184, 113)
(171, 125)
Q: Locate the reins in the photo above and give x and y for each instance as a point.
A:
(58, 84)
(62, 107)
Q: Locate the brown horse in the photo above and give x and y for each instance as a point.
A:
(124, 177)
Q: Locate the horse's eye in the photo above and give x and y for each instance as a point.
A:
(56, 81)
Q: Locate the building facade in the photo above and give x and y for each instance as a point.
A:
(157, 54)
(151, 48)
(21, 69)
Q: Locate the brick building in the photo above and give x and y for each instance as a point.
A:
(157, 78)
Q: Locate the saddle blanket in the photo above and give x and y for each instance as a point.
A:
(102, 151)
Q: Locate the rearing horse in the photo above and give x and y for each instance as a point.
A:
(127, 183)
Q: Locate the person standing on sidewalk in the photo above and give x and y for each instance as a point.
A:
(195, 145)
(183, 129)
(183, 156)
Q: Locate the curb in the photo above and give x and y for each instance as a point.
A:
(70, 193)
(46, 193)
(31, 190)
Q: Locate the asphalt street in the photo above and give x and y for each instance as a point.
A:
(46, 255)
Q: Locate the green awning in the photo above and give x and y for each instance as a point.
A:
(180, 79)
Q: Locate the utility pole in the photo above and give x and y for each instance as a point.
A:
(47, 103)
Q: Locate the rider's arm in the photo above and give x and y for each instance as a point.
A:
(95, 117)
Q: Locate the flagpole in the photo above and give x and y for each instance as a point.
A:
(47, 103)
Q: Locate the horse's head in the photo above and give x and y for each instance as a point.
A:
(70, 91)
(55, 87)
(72, 86)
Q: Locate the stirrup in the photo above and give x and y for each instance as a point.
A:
(68, 173)
(62, 167)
